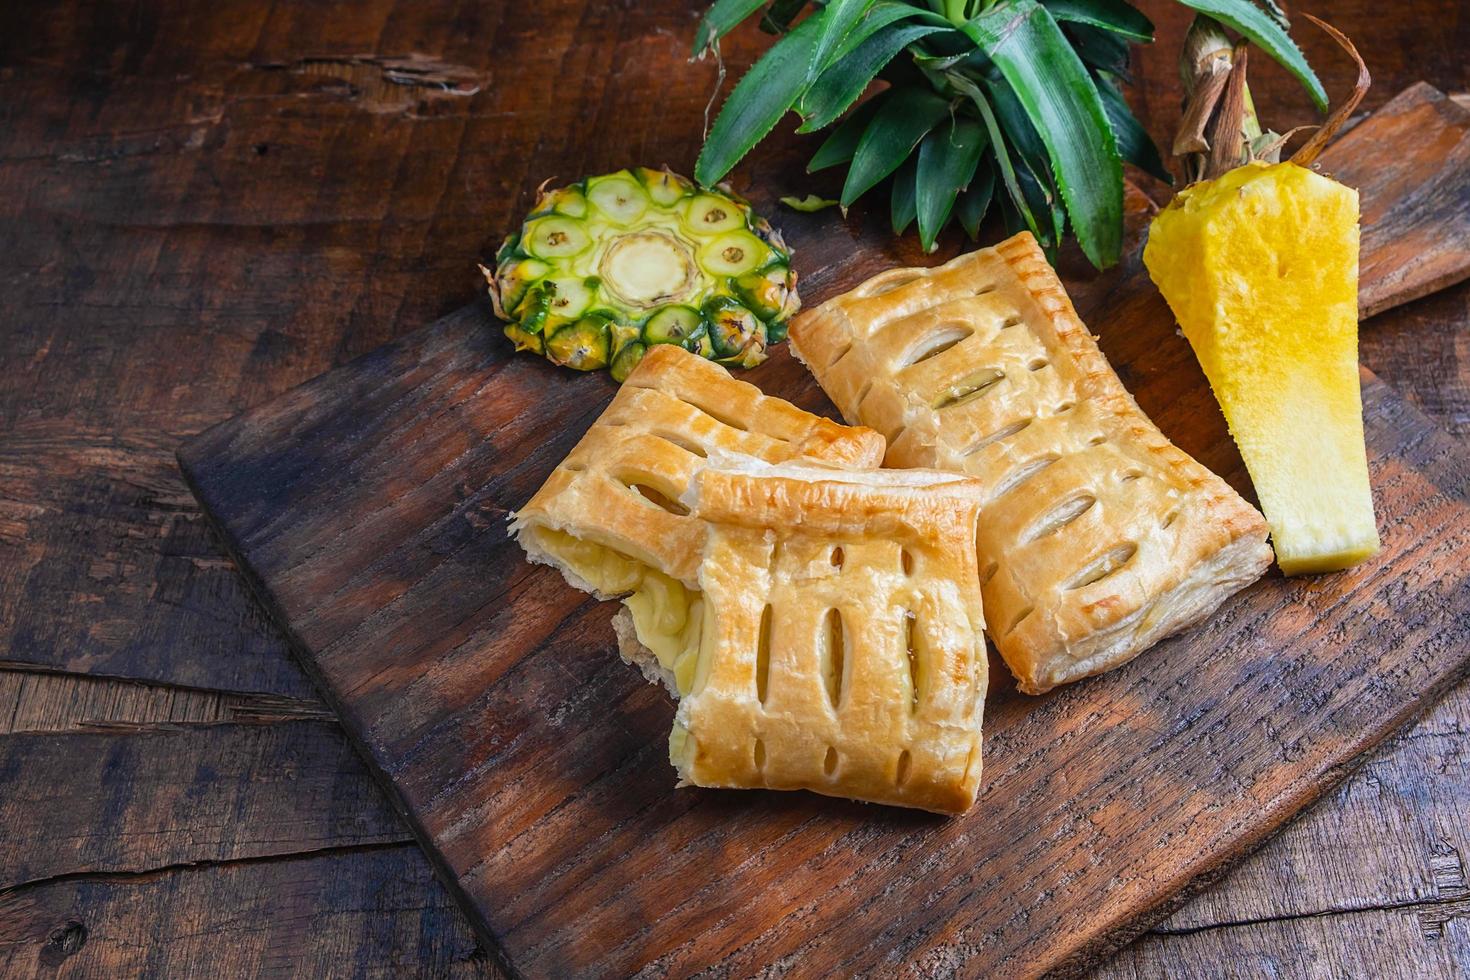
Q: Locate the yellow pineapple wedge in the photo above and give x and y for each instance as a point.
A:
(1260, 267)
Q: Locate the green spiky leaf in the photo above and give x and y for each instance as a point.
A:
(1110, 15)
(1032, 162)
(904, 207)
(947, 160)
(975, 201)
(720, 19)
(905, 116)
(1038, 79)
(1063, 104)
(838, 20)
(1134, 143)
(758, 102)
(843, 143)
(1000, 152)
(841, 84)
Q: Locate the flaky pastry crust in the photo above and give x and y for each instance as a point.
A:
(1098, 537)
(619, 486)
(842, 649)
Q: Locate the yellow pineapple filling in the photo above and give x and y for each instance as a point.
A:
(666, 613)
(1260, 267)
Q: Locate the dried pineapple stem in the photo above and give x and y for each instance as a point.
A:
(1191, 138)
(1204, 68)
(1307, 155)
(1225, 146)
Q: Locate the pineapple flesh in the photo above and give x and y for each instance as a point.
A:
(1260, 267)
(602, 269)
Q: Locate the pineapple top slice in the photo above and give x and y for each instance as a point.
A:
(1260, 266)
(605, 268)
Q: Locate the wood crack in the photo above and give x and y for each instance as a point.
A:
(383, 84)
(150, 874)
(1435, 910)
(48, 701)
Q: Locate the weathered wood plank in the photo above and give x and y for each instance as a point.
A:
(374, 912)
(32, 701)
(107, 568)
(1422, 942)
(164, 796)
(1423, 350)
(1422, 243)
(193, 221)
(458, 720)
(1397, 832)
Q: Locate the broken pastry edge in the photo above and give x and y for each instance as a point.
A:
(633, 652)
(522, 532)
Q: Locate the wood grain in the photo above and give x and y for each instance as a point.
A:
(1403, 852)
(388, 918)
(105, 567)
(46, 702)
(1397, 944)
(368, 509)
(1403, 259)
(194, 221)
(1392, 839)
(1423, 350)
(214, 792)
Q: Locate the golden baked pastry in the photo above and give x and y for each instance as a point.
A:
(608, 516)
(841, 647)
(1098, 536)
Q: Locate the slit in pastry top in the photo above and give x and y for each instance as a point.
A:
(1098, 537)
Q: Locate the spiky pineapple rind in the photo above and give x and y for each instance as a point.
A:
(556, 278)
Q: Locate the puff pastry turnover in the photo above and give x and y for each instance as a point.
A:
(1098, 537)
(608, 516)
(841, 647)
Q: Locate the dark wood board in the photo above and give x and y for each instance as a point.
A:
(1416, 206)
(197, 216)
(217, 792)
(368, 511)
(244, 919)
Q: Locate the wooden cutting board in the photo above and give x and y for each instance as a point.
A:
(368, 510)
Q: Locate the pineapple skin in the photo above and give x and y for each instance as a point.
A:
(1260, 267)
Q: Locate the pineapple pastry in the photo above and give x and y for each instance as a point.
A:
(608, 517)
(840, 649)
(1097, 536)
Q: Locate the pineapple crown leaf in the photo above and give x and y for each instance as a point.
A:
(1032, 83)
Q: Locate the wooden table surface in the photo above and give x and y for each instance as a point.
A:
(205, 204)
